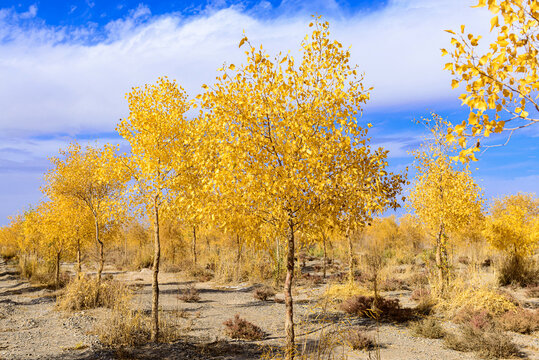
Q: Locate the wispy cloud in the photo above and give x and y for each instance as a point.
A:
(74, 79)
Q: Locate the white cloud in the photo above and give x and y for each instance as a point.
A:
(52, 81)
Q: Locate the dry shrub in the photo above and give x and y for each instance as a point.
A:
(463, 259)
(358, 340)
(520, 320)
(420, 294)
(343, 291)
(532, 291)
(393, 284)
(386, 309)
(238, 328)
(264, 293)
(201, 274)
(418, 279)
(476, 318)
(189, 295)
(476, 298)
(518, 271)
(125, 327)
(490, 344)
(428, 328)
(86, 293)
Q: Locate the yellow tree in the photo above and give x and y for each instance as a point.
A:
(288, 140)
(513, 224)
(160, 159)
(77, 174)
(501, 82)
(444, 196)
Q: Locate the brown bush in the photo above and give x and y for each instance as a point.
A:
(189, 295)
(428, 328)
(463, 259)
(238, 328)
(86, 293)
(477, 319)
(518, 271)
(491, 344)
(520, 320)
(358, 340)
(264, 293)
(386, 309)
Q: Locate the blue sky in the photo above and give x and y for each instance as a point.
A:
(66, 66)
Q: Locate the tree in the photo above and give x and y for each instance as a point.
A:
(502, 82)
(286, 140)
(444, 196)
(160, 160)
(82, 176)
(513, 224)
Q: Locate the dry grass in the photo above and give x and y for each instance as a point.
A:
(126, 327)
(86, 293)
(520, 320)
(428, 328)
(488, 344)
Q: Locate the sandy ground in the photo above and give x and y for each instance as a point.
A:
(31, 327)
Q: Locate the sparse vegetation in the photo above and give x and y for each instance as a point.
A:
(428, 328)
(264, 293)
(238, 328)
(189, 294)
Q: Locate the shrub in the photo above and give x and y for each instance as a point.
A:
(85, 293)
(428, 328)
(476, 318)
(238, 328)
(520, 320)
(393, 284)
(518, 271)
(357, 340)
(476, 298)
(365, 306)
(487, 344)
(264, 293)
(463, 259)
(189, 294)
(420, 294)
(201, 274)
(125, 327)
(532, 291)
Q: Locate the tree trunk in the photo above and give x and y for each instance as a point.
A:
(155, 283)
(350, 259)
(441, 260)
(195, 245)
(278, 261)
(101, 252)
(238, 257)
(79, 265)
(325, 254)
(289, 322)
(57, 269)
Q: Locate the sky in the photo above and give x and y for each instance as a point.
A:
(65, 67)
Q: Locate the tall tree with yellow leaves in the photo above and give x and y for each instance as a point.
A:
(160, 159)
(77, 174)
(288, 140)
(444, 196)
(501, 82)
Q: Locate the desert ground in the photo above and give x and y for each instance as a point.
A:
(31, 326)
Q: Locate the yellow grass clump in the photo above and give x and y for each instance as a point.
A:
(476, 298)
